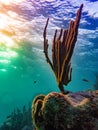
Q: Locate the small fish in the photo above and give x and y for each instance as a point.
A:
(94, 85)
(8, 116)
(85, 80)
(35, 81)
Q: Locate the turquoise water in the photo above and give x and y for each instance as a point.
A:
(24, 72)
(23, 77)
(26, 75)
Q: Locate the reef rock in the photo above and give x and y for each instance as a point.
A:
(72, 111)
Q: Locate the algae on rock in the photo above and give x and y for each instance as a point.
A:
(57, 111)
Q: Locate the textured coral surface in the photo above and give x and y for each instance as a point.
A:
(74, 111)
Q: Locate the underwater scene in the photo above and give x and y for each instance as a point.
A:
(24, 71)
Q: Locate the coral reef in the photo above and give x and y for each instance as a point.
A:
(62, 50)
(19, 120)
(73, 111)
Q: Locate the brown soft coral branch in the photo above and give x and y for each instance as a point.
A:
(62, 50)
(46, 45)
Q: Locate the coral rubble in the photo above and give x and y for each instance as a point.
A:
(73, 111)
(62, 50)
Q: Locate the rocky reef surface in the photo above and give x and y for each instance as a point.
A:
(57, 111)
(72, 111)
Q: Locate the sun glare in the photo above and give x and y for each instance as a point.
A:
(7, 54)
(7, 41)
(7, 2)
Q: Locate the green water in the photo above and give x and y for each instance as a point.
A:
(24, 74)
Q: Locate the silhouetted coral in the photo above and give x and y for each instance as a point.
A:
(19, 120)
(62, 50)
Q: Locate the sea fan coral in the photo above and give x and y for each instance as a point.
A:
(62, 50)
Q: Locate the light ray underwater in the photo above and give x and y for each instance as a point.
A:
(24, 72)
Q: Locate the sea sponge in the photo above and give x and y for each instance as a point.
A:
(58, 111)
(36, 111)
(52, 111)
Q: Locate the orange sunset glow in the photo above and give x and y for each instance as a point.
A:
(7, 2)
